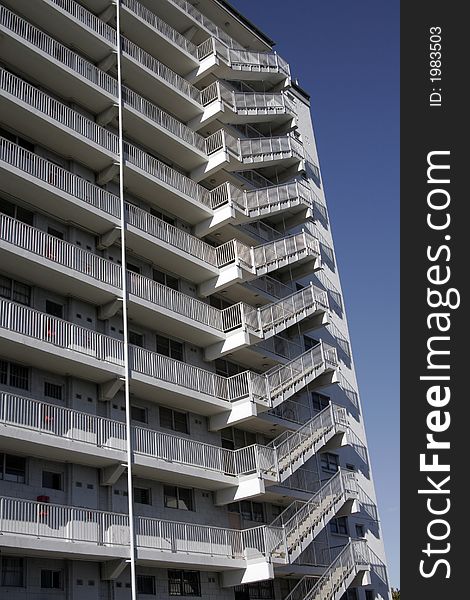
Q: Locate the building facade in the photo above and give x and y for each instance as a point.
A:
(179, 413)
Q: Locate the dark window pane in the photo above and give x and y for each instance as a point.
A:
(52, 390)
(51, 579)
(54, 309)
(12, 572)
(172, 282)
(185, 499)
(142, 496)
(5, 287)
(180, 422)
(163, 345)
(136, 339)
(21, 293)
(170, 498)
(55, 232)
(19, 376)
(3, 372)
(15, 468)
(166, 418)
(52, 480)
(133, 268)
(146, 584)
(139, 414)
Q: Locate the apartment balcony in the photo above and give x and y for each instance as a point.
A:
(28, 425)
(231, 106)
(44, 59)
(237, 154)
(82, 533)
(38, 257)
(242, 555)
(61, 346)
(352, 565)
(232, 63)
(68, 196)
(291, 202)
(39, 116)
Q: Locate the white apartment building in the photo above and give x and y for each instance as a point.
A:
(179, 413)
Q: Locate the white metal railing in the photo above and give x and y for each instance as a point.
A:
(203, 21)
(189, 377)
(155, 168)
(289, 246)
(355, 555)
(58, 251)
(244, 60)
(303, 368)
(88, 19)
(65, 523)
(265, 388)
(154, 66)
(290, 446)
(170, 234)
(247, 102)
(163, 119)
(57, 177)
(63, 334)
(159, 25)
(300, 518)
(251, 149)
(66, 423)
(57, 51)
(45, 104)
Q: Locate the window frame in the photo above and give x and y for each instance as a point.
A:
(172, 414)
(180, 581)
(178, 499)
(4, 573)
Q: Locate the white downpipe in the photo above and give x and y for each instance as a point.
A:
(130, 494)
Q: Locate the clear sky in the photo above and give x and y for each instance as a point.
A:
(346, 55)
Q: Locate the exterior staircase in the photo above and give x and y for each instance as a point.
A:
(353, 560)
(301, 522)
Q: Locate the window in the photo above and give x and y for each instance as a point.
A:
(184, 583)
(329, 462)
(174, 420)
(260, 590)
(248, 510)
(351, 594)
(12, 574)
(158, 213)
(165, 279)
(54, 309)
(133, 268)
(13, 290)
(16, 212)
(319, 401)
(226, 368)
(360, 531)
(136, 339)
(14, 375)
(339, 525)
(219, 303)
(139, 414)
(12, 468)
(370, 595)
(51, 580)
(55, 233)
(146, 585)
(52, 480)
(52, 390)
(142, 495)
(170, 348)
(310, 342)
(233, 438)
(176, 497)
(16, 139)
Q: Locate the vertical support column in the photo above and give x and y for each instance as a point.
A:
(130, 494)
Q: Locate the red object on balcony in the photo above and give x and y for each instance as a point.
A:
(44, 499)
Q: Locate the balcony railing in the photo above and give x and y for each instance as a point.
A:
(204, 22)
(267, 388)
(248, 102)
(163, 119)
(41, 326)
(244, 60)
(88, 19)
(99, 528)
(70, 424)
(160, 70)
(159, 25)
(49, 173)
(57, 111)
(58, 51)
(65, 423)
(58, 251)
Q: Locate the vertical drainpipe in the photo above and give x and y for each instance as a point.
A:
(130, 494)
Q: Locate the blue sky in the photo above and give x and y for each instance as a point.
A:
(346, 55)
